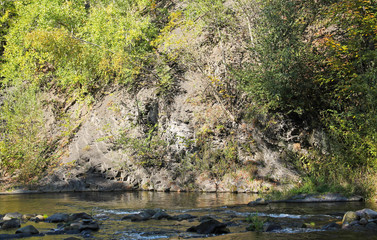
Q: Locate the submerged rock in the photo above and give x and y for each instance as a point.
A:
(10, 216)
(161, 215)
(210, 227)
(76, 216)
(258, 202)
(271, 226)
(143, 216)
(13, 223)
(28, 216)
(331, 226)
(30, 229)
(182, 217)
(58, 217)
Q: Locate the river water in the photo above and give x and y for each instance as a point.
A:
(109, 208)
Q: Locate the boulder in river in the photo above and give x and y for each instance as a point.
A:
(27, 217)
(143, 216)
(58, 217)
(77, 216)
(349, 217)
(10, 216)
(366, 213)
(161, 215)
(30, 229)
(8, 224)
(331, 226)
(211, 226)
(271, 226)
(183, 217)
(258, 202)
(371, 226)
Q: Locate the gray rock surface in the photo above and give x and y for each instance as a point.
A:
(210, 227)
(10, 216)
(58, 217)
(8, 224)
(30, 229)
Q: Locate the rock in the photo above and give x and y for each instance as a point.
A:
(357, 227)
(329, 197)
(92, 226)
(349, 217)
(13, 223)
(183, 217)
(161, 215)
(371, 226)
(58, 217)
(271, 226)
(143, 216)
(258, 202)
(363, 221)
(210, 227)
(10, 216)
(1, 217)
(30, 229)
(27, 216)
(76, 216)
(331, 226)
(205, 218)
(367, 214)
(37, 218)
(72, 238)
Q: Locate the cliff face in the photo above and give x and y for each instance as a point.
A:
(196, 133)
(189, 143)
(183, 123)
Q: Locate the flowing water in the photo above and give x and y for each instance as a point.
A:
(109, 208)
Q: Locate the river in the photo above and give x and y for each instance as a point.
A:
(109, 207)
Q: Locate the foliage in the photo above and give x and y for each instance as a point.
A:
(67, 43)
(256, 224)
(147, 151)
(23, 146)
(280, 78)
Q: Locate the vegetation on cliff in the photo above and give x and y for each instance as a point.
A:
(313, 62)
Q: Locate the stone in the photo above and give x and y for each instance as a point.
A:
(13, 223)
(37, 218)
(143, 216)
(258, 202)
(205, 218)
(161, 215)
(27, 216)
(349, 217)
(183, 217)
(367, 214)
(271, 226)
(371, 226)
(363, 221)
(30, 229)
(58, 217)
(10, 216)
(76, 216)
(211, 226)
(93, 226)
(331, 226)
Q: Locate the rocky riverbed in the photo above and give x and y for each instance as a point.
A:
(192, 216)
